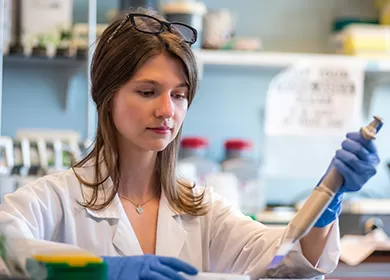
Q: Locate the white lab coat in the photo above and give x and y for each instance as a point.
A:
(224, 240)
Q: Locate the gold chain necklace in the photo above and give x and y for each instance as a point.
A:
(138, 206)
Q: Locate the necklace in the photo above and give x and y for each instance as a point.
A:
(138, 206)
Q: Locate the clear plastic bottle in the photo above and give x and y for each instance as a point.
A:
(193, 150)
(239, 160)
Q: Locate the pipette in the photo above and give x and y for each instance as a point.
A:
(318, 201)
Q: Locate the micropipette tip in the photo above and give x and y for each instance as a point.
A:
(275, 261)
(283, 250)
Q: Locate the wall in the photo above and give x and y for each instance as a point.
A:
(239, 94)
(282, 25)
(35, 93)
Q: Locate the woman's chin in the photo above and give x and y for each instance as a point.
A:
(157, 146)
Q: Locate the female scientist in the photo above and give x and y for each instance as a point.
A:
(123, 200)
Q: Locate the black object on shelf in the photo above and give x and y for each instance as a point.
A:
(64, 52)
(39, 51)
(82, 53)
(16, 48)
(126, 4)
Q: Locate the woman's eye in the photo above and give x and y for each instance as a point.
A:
(179, 96)
(146, 93)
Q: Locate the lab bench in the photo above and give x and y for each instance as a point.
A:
(376, 266)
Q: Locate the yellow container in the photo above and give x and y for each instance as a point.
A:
(62, 267)
(72, 260)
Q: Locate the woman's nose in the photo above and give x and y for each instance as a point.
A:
(165, 107)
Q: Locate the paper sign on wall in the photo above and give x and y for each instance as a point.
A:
(318, 98)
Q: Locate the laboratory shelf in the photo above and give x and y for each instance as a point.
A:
(377, 69)
(283, 59)
(15, 59)
(275, 60)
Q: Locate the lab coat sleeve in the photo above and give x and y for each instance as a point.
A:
(240, 245)
(32, 211)
(32, 216)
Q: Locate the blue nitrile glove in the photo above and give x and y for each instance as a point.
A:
(356, 161)
(147, 267)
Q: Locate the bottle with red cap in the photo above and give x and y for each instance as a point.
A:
(240, 161)
(193, 150)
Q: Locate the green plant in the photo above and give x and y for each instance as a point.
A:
(45, 40)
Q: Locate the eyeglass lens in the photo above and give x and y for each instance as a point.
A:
(147, 24)
(187, 33)
(151, 25)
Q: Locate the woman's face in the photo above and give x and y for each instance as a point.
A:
(149, 109)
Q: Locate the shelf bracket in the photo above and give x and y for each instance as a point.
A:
(76, 80)
(200, 65)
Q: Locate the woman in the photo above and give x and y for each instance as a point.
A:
(124, 199)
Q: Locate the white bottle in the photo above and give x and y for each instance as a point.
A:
(226, 185)
(239, 161)
(193, 150)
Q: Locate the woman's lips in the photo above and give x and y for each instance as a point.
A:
(160, 130)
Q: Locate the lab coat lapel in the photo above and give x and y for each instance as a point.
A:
(171, 236)
(124, 238)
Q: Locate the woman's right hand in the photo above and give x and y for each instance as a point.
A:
(147, 267)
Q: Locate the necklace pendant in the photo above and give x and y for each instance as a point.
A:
(139, 209)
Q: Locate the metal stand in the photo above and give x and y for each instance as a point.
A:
(91, 110)
(2, 7)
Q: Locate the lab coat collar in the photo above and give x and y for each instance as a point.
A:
(114, 209)
(170, 237)
(87, 172)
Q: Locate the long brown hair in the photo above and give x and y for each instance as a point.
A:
(115, 61)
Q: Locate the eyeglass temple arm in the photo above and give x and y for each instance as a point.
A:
(119, 27)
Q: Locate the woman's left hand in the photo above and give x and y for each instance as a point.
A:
(356, 161)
